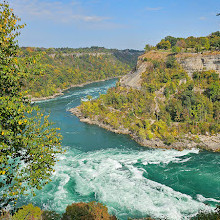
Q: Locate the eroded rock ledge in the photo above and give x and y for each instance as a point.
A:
(206, 142)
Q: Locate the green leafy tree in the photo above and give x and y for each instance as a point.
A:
(171, 39)
(213, 92)
(176, 49)
(164, 45)
(206, 43)
(28, 143)
(28, 212)
(198, 48)
(147, 47)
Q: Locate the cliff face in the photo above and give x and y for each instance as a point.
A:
(200, 62)
(133, 79)
(190, 63)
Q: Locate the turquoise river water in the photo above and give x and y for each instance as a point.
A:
(132, 181)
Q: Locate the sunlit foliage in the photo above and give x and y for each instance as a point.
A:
(28, 144)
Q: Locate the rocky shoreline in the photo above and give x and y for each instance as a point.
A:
(35, 99)
(205, 142)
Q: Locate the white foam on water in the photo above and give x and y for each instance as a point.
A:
(81, 93)
(111, 175)
(203, 199)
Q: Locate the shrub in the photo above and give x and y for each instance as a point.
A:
(85, 211)
(169, 140)
(203, 215)
(171, 62)
(176, 49)
(28, 212)
(50, 215)
(149, 135)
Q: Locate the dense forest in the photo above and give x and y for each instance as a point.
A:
(52, 70)
(169, 104)
(189, 44)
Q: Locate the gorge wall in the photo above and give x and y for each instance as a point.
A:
(191, 62)
(199, 62)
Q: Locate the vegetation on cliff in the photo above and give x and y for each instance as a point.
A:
(63, 67)
(189, 44)
(169, 104)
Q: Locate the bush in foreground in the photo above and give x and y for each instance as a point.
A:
(28, 212)
(76, 211)
(85, 211)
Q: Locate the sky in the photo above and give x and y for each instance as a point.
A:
(117, 24)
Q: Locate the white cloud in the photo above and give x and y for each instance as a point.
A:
(57, 11)
(202, 18)
(153, 9)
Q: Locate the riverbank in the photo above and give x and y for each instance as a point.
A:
(35, 99)
(205, 142)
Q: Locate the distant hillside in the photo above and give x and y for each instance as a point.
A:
(55, 69)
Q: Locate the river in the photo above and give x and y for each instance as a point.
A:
(132, 181)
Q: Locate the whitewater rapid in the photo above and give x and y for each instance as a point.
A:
(115, 178)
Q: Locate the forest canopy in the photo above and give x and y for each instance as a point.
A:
(189, 44)
(63, 67)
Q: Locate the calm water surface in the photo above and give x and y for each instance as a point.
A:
(131, 180)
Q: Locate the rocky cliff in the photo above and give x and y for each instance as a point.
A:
(191, 62)
(133, 79)
(200, 62)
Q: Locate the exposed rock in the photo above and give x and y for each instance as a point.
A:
(133, 79)
(76, 111)
(200, 62)
(35, 99)
(191, 62)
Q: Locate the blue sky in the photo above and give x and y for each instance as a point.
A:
(113, 23)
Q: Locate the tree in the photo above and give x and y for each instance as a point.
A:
(206, 43)
(28, 143)
(213, 91)
(171, 39)
(164, 45)
(181, 43)
(147, 47)
(176, 49)
(190, 42)
(198, 48)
